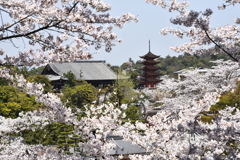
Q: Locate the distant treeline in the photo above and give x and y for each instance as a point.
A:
(171, 64)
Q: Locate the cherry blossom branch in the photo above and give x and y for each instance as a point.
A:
(27, 34)
(220, 46)
(16, 22)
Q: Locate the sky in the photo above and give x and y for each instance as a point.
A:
(135, 36)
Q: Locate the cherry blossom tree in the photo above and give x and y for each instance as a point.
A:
(220, 78)
(224, 38)
(57, 30)
(177, 132)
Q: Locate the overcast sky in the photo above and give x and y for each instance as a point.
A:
(135, 36)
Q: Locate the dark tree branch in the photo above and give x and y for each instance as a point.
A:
(38, 30)
(17, 22)
(27, 34)
(4, 10)
(229, 54)
(13, 43)
(74, 31)
(1, 17)
(39, 41)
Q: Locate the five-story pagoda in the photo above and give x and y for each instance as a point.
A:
(149, 70)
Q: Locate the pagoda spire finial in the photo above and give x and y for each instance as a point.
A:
(149, 45)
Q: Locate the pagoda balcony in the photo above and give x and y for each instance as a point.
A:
(148, 62)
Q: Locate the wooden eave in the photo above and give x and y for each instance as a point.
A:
(149, 55)
(149, 62)
(155, 81)
(150, 74)
(149, 67)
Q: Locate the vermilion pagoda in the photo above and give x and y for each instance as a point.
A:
(149, 70)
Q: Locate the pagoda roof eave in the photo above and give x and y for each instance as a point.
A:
(149, 62)
(150, 74)
(149, 67)
(152, 80)
(156, 81)
(149, 55)
(145, 70)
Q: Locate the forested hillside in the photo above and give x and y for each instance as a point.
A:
(171, 64)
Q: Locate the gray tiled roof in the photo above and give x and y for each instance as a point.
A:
(126, 147)
(123, 147)
(184, 70)
(90, 70)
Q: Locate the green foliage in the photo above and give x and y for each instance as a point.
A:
(26, 72)
(231, 98)
(43, 80)
(52, 134)
(36, 70)
(72, 81)
(80, 95)
(137, 66)
(207, 118)
(115, 68)
(21, 70)
(125, 66)
(169, 65)
(133, 77)
(3, 82)
(228, 99)
(132, 112)
(124, 92)
(103, 93)
(13, 101)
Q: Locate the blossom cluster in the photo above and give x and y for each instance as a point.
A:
(62, 30)
(200, 34)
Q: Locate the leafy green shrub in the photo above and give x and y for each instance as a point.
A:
(132, 113)
(207, 118)
(231, 98)
(80, 95)
(13, 101)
